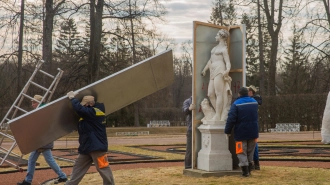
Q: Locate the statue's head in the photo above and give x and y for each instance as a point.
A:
(223, 33)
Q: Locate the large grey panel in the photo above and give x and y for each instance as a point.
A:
(57, 119)
(237, 58)
(236, 47)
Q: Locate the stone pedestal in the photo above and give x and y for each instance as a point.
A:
(215, 154)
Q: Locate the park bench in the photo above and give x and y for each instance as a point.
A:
(159, 123)
(132, 133)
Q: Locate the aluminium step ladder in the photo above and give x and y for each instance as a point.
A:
(6, 148)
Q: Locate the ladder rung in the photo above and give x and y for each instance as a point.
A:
(8, 136)
(4, 150)
(41, 87)
(20, 109)
(46, 74)
(29, 97)
(13, 164)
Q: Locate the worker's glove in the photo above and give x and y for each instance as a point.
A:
(71, 94)
(192, 107)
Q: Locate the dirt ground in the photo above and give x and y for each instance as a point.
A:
(43, 175)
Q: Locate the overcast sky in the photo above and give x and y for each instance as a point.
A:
(180, 17)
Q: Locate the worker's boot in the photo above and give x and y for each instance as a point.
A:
(256, 165)
(251, 167)
(245, 171)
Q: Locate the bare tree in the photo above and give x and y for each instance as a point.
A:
(96, 13)
(131, 14)
(274, 28)
(20, 49)
(48, 27)
(327, 9)
(261, 53)
(183, 72)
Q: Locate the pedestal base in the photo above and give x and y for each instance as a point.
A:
(215, 154)
(202, 173)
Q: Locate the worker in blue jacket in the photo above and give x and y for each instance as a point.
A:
(93, 141)
(243, 118)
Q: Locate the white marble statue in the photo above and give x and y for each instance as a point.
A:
(219, 65)
(325, 129)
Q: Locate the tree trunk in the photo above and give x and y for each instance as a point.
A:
(97, 39)
(261, 55)
(47, 42)
(20, 50)
(132, 33)
(270, 15)
(91, 42)
(272, 66)
(327, 10)
(136, 105)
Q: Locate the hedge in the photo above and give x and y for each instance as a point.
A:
(306, 109)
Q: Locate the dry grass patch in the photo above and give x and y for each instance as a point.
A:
(140, 151)
(174, 176)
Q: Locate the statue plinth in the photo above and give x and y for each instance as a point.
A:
(215, 154)
(221, 124)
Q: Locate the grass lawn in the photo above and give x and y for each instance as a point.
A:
(174, 176)
(268, 175)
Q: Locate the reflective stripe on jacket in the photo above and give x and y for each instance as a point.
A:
(243, 118)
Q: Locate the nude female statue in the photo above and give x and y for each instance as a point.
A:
(219, 65)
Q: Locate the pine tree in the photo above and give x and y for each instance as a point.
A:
(295, 71)
(70, 55)
(69, 41)
(223, 13)
(115, 55)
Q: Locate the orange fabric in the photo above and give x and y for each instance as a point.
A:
(103, 161)
(239, 147)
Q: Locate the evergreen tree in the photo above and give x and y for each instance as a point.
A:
(223, 13)
(252, 60)
(71, 56)
(116, 54)
(69, 41)
(295, 71)
(253, 50)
